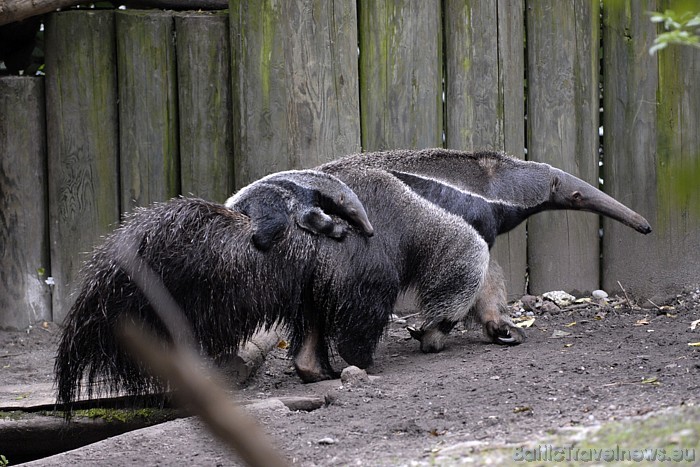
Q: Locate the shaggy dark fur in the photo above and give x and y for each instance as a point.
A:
(227, 290)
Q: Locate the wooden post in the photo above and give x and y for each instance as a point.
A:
(400, 74)
(147, 107)
(295, 92)
(651, 142)
(204, 98)
(563, 103)
(24, 241)
(484, 105)
(81, 115)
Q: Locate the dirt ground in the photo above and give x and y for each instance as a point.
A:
(579, 367)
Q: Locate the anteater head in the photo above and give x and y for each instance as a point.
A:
(326, 192)
(569, 192)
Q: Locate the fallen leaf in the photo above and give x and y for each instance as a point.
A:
(694, 344)
(570, 324)
(522, 409)
(525, 324)
(568, 345)
(694, 324)
(642, 322)
(653, 380)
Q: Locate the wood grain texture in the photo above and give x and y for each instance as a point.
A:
(563, 42)
(81, 119)
(400, 74)
(484, 109)
(24, 238)
(295, 91)
(148, 142)
(652, 137)
(204, 105)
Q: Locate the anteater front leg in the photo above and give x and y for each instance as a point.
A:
(490, 307)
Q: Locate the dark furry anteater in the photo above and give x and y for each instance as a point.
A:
(326, 292)
(494, 193)
(202, 251)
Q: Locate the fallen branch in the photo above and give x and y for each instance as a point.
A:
(182, 370)
(17, 10)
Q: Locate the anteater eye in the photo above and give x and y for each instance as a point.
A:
(576, 196)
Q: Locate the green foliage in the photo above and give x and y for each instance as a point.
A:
(682, 29)
(3, 461)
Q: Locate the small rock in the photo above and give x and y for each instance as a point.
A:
(529, 302)
(599, 294)
(353, 375)
(327, 441)
(549, 307)
(557, 334)
(559, 297)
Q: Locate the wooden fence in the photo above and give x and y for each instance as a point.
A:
(139, 106)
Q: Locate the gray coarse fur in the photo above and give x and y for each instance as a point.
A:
(307, 197)
(417, 245)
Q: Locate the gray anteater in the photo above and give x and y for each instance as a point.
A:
(494, 193)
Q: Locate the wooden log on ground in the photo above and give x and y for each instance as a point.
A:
(148, 142)
(204, 102)
(651, 143)
(484, 105)
(251, 356)
(563, 103)
(24, 241)
(26, 436)
(400, 74)
(81, 109)
(295, 92)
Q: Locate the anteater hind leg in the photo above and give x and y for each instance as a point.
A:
(450, 286)
(489, 309)
(311, 360)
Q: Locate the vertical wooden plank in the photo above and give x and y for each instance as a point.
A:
(652, 138)
(400, 74)
(147, 107)
(295, 91)
(81, 109)
(484, 109)
(511, 249)
(204, 103)
(563, 42)
(24, 238)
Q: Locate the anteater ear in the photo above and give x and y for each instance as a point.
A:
(556, 183)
